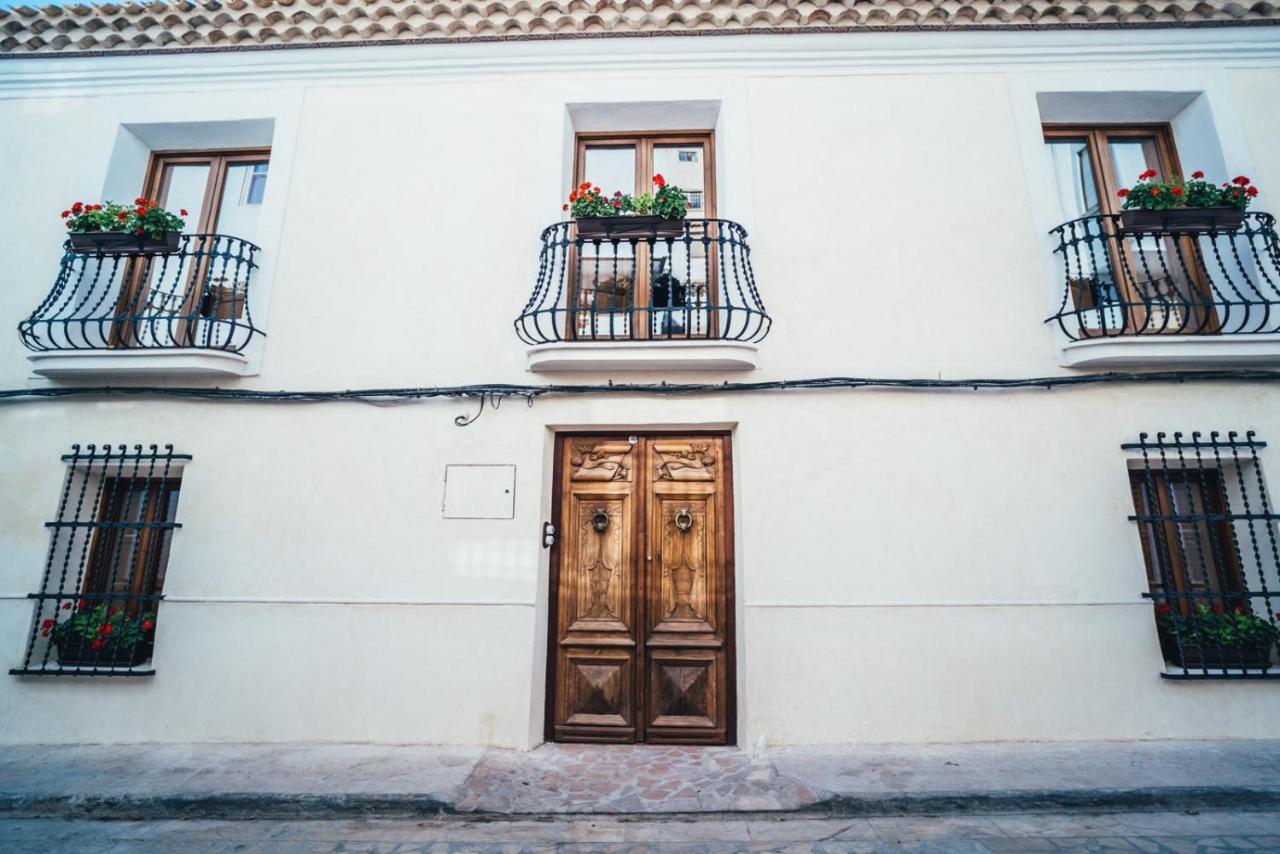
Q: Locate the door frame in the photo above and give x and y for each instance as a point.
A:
(559, 438)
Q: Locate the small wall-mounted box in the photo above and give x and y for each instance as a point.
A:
(479, 492)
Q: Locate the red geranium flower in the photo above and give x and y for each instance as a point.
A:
(47, 624)
(585, 185)
(564, 207)
(96, 207)
(595, 190)
(1164, 608)
(1177, 191)
(184, 211)
(139, 201)
(122, 215)
(1123, 192)
(573, 197)
(66, 605)
(1235, 194)
(1240, 180)
(82, 604)
(66, 214)
(617, 193)
(1155, 191)
(138, 230)
(77, 207)
(1252, 191)
(146, 624)
(659, 180)
(97, 644)
(1197, 174)
(1150, 173)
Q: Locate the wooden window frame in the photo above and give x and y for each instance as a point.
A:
(1096, 138)
(644, 143)
(1166, 568)
(119, 504)
(156, 186)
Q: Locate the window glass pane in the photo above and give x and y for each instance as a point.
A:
(1076, 185)
(682, 165)
(680, 272)
(610, 167)
(606, 275)
(246, 183)
(184, 187)
(1131, 156)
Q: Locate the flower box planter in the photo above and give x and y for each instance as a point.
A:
(628, 227)
(76, 651)
(122, 243)
(1182, 219)
(1192, 656)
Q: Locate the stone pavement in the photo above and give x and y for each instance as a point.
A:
(1175, 833)
(346, 781)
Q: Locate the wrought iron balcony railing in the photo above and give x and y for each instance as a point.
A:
(695, 284)
(1121, 282)
(196, 296)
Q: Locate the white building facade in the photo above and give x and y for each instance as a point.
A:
(977, 543)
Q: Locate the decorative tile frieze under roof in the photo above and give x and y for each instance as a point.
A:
(238, 24)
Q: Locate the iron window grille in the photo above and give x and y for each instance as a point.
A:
(1209, 542)
(104, 573)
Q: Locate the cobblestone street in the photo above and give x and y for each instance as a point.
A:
(1151, 832)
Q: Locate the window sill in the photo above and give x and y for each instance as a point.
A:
(1163, 349)
(1174, 672)
(643, 356)
(125, 362)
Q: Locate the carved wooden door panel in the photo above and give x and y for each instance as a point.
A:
(641, 635)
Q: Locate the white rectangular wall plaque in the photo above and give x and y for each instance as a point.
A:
(479, 492)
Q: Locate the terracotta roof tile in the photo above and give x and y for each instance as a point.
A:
(178, 24)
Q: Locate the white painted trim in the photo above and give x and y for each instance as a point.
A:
(674, 58)
(1006, 604)
(144, 363)
(1140, 350)
(643, 356)
(269, 600)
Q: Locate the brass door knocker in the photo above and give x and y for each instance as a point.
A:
(600, 520)
(684, 521)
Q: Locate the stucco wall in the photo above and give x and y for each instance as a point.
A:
(911, 566)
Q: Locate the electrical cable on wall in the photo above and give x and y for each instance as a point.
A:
(495, 393)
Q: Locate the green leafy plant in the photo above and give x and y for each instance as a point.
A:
(101, 626)
(1216, 626)
(1152, 195)
(145, 217)
(667, 201)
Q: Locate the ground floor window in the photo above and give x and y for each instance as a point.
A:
(109, 545)
(1208, 534)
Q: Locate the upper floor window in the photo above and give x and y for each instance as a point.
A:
(190, 292)
(650, 288)
(1195, 273)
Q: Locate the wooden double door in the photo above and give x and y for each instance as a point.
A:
(641, 646)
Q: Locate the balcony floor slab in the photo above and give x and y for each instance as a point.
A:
(643, 356)
(1155, 350)
(187, 362)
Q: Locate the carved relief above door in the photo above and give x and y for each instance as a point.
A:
(641, 646)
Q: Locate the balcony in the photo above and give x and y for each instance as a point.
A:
(1154, 296)
(184, 312)
(644, 300)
